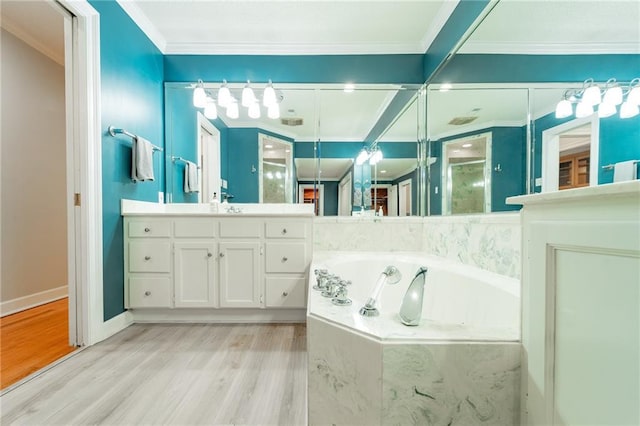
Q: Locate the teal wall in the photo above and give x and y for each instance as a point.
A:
(334, 149)
(330, 197)
(414, 189)
(131, 73)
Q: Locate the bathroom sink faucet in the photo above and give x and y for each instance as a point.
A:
(233, 209)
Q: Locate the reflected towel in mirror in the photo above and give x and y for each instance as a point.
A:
(141, 160)
(191, 183)
(624, 171)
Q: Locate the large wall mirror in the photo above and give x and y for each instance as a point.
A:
(492, 125)
(307, 153)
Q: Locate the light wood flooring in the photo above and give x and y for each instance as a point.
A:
(33, 339)
(182, 374)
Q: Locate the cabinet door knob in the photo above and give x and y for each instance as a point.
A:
(147, 230)
(284, 231)
(147, 293)
(147, 258)
(284, 259)
(285, 294)
(209, 254)
(221, 254)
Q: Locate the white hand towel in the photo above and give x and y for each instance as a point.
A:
(624, 171)
(141, 160)
(191, 183)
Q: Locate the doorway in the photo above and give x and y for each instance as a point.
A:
(41, 67)
(570, 154)
(344, 196)
(312, 194)
(404, 198)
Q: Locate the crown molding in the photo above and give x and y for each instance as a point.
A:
(477, 127)
(206, 48)
(441, 18)
(147, 27)
(24, 35)
(542, 48)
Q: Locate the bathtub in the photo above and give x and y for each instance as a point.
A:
(459, 366)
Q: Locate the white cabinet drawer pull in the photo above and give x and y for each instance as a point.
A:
(147, 258)
(285, 294)
(147, 230)
(147, 293)
(221, 254)
(284, 259)
(284, 231)
(209, 254)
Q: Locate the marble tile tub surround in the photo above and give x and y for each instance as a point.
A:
(488, 241)
(356, 380)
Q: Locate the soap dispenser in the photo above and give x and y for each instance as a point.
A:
(214, 203)
(411, 308)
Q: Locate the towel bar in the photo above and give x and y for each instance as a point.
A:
(611, 166)
(175, 158)
(115, 131)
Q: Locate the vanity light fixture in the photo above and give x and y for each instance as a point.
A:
(210, 110)
(273, 111)
(199, 95)
(605, 98)
(232, 109)
(224, 95)
(363, 155)
(376, 157)
(254, 110)
(269, 96)
(248, 97)
(467, 145)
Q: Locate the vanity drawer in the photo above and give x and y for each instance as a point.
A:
(149, 228)
(194, 228)
(149, 292)
(242, 228)
(286, 292)
(286, 229)
(286, 257)
(149, 256)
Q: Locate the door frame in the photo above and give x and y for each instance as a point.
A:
(319, 188)
(402, 197)
(204, 125)
(345, 184)
(551, 151)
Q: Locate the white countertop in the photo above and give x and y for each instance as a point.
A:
(145, 208)
(620, 189)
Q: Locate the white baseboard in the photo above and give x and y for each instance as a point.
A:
(219, 315)
(26, 302)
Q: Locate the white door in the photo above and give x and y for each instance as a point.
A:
(344, 196)
(208, 159)
(392, 201)
(404, 198)
(240, 275)
(194, 268)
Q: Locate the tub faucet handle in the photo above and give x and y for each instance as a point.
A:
(341, 298)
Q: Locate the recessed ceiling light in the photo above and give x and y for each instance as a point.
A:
(383, 171)
(456, 150)
(349, 87)
(467, 145)
(268, 146)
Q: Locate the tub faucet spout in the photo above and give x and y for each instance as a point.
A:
(411, 308)
(390, 275)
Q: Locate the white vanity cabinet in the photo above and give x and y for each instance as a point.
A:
(287, 259)
(211, 266)
(240, 271)
(147, 263)
(195, 264)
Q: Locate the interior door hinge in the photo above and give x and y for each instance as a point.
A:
(76, 199)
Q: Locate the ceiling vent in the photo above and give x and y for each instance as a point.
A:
(459, 121)
(292, 121)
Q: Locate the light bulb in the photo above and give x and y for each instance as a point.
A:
(362, 157)
(613, 96)
(199, 97)
(564, 109)
(254, 110)
(248, 97)
(591, 96)
(269, 95)
(606, 110)
(583, 109)
(349, 88)
(273, 111)
(224, 95)
(233, 110)
(210, 110)
(634, 96)
(629, 109)
(376, 157)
